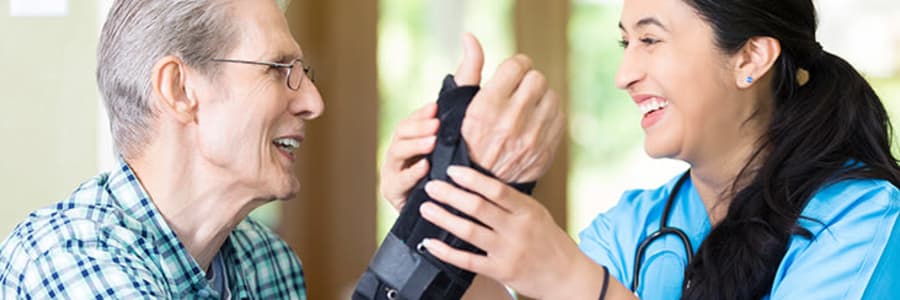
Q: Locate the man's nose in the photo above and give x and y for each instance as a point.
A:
(307, 102)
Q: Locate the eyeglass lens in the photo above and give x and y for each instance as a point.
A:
(298, 70)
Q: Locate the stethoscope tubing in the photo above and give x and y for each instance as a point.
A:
(663, 230)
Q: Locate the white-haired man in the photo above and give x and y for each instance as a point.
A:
(208, 100)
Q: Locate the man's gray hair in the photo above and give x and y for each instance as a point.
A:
(136, 35)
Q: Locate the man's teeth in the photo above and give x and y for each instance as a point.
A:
(288, 144)
(652, 105)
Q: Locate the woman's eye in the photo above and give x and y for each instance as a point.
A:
(649, 41)
(624, 43)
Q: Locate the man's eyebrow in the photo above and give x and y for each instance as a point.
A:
(286, 56)
(648, 21)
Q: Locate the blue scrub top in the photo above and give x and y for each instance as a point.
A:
(854, 252)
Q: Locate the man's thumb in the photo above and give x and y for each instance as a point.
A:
(469, 71)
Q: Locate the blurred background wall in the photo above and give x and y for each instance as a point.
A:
(378, 61)
(49, 117)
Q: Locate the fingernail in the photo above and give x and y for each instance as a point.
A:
(429, 187)
(429, 141)
(455, 172)
(427, 209)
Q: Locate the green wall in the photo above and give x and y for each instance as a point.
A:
(49, 115)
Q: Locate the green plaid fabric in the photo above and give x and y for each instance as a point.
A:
(108, 241)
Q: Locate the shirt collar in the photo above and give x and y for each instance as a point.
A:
(180, 267)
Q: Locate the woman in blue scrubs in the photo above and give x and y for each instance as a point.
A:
(792, 191)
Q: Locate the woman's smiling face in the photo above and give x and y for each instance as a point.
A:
(682, 83)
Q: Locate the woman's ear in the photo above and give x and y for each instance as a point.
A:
(755, 60)
(171, 91)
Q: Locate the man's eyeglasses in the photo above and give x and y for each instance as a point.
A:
(293, 78)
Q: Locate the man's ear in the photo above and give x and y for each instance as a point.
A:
(171, 92)
(755, 60)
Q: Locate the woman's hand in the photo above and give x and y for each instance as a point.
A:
(525, 248)
(404, 162)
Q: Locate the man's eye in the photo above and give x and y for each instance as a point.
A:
(276, 70)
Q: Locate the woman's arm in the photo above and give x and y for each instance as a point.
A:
(486, 288)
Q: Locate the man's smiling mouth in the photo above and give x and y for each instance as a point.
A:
(288, 144)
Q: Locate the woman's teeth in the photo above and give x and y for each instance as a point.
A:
(653, 104)
(287, 144)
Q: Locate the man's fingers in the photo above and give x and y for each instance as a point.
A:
(551, 102)
(508, 75)
(551, 118)
(548, 109)
(469, 71)
(532, 88)
(545, 130)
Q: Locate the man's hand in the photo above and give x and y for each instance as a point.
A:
(512, 127)
(514, 124)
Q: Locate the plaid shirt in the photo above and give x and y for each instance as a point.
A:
(108, 240)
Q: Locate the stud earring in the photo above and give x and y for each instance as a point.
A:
(749, 79)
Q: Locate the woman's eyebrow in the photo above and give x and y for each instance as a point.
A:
(648, 21)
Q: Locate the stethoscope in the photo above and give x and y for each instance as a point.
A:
(663, 230)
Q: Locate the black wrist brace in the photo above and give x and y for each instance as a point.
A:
(402, 268)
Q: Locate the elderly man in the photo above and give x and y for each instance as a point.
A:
(208, 100)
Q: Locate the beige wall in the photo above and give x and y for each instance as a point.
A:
(49, 115)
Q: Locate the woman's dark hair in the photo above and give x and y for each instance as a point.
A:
(833, 127)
